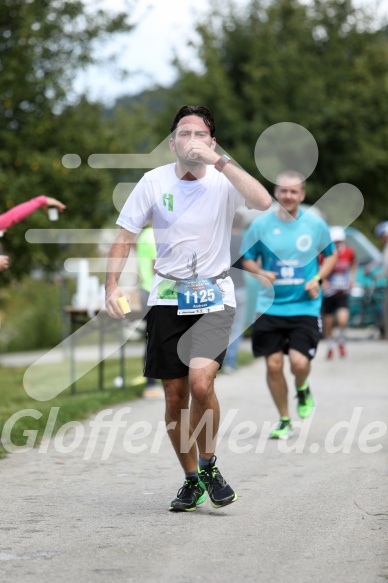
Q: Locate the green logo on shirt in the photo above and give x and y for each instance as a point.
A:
(168, 201)
(167, 290)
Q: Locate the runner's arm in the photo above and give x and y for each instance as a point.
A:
(353, 272)
(117, 259)
(254, 268)
(256, 196)
(252, 190)
(326, 267)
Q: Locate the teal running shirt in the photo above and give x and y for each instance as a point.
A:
(291, 249)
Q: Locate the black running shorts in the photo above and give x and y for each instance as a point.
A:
(172, 340)
(278, 334)
(333, 303)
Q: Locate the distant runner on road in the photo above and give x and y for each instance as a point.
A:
(283, 248)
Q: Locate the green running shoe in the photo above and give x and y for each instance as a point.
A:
(305, 403)
(220, 493)
(283, 430)
(189, 496)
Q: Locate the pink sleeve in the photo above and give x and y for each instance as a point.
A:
(21, 211)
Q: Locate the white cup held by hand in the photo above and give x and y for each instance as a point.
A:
(53, 213)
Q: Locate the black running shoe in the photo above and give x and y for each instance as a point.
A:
(189, 496)
(220, 493)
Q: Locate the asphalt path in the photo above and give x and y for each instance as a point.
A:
(91, 504)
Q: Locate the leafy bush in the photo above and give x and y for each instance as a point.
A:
(31, 314)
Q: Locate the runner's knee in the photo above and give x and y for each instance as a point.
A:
(274, 364)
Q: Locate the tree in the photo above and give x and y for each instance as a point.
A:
(42, 44)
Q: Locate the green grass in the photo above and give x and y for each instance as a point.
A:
(72, 407)
(244, 358)
(87, 400)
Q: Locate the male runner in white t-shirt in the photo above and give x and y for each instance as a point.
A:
(191, 204)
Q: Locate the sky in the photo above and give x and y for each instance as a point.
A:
(164, 29)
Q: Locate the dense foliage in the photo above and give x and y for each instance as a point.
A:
(42, 44)
(323, 65)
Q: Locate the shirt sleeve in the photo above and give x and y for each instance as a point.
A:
(137, 210)
(236, 196)
(21, 211)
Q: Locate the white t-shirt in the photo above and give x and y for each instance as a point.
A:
(192, 222)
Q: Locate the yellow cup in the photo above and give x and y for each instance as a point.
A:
(123, 304)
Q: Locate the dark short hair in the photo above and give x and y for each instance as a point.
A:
(198, 110)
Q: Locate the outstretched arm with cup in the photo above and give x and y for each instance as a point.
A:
(117, 258)
(19, 212)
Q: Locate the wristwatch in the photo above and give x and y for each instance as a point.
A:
(221, 162)
(318, 278)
